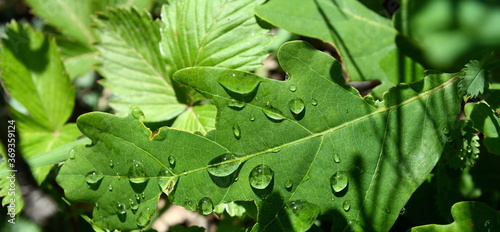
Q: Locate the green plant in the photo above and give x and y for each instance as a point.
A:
(196, 123)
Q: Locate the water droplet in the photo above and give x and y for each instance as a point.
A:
(252, 118)
(110, 188)
(111, 164)
(137, 173)
(296, 105)
(120, 208)
(133, 205)
(72, 153)
(336, 158)
(346, 205)
(142, 219)
(93, 177)
(96, 205)
(339, 181)
(137, 196)
(223, 165)
(388, 210)
(261, 176)
(487, 224)
(272, 113)
(402, 211)
(288, 184)
(143, 195)
(171, 161)
(239, 83)
(293, 88)
(205, 206)
(237, 131)
(445, 130)
(237, 105)
(137, 113)
(449, 139)
(314, 102)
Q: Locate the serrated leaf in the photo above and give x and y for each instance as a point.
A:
(132, 64)
(352, 28)
(469, 216)
(475, 79)
(486, 121)
(216, 33)
(340, 156)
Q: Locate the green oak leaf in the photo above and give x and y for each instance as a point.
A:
(469, 216)
(352, 28)
(475, 79)
(41, 93)
(299, 148)
(486, 121)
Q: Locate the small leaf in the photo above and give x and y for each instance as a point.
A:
(469, 216)
(475, 79)
(486, 121)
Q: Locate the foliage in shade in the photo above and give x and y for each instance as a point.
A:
(41, 92)
(352, 29)
(462, 149)
(469, 216)
(295, 164)
(487, 122)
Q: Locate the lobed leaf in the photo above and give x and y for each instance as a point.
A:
(299, 148)
(352, 28)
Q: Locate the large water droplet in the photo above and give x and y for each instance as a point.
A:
(133, 205)
(288, 184)
(137, 113)
(171, 161)
(93, 177)
(261, 176)
(272, 113)
(120, 208)
(314, 102)
(237, 105)
(237, 131)
(137, 173)
(339, 181)
(293, 88)
(72, 153)
(239, 83)
(296, 105)
(223, 165)
(205, 206)
(346, 205)
(336, 158)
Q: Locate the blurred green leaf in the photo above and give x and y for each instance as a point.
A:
(469, 217)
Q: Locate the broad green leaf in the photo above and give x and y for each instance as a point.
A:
(131, 62)
(218, 33)
(299, 148)
(469, 216)
(353, 29)
(486, 121)
(475, 79)
(197, 118)
(447, 34)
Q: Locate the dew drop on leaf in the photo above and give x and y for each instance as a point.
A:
(252, 118)
(296, 105)
(171, 161)
(237, 131)
(142, 219)
(336, 158)
(137, 113)
(293, 88)
(314, 102)
(235, 104)
(261, 176)
(288, 184)
(110, 188)
(487, 224)
(339, 181)
(402, 211)
(96, 205)
(133, 205)
(72, 153)
(205, 206)
(346, 205)
(111, 164)
(445, 130)
(137, 173)
(93, 177)
(120, 208)
(223, 165)
(137, 196)
(388, 210)
(272, 113)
